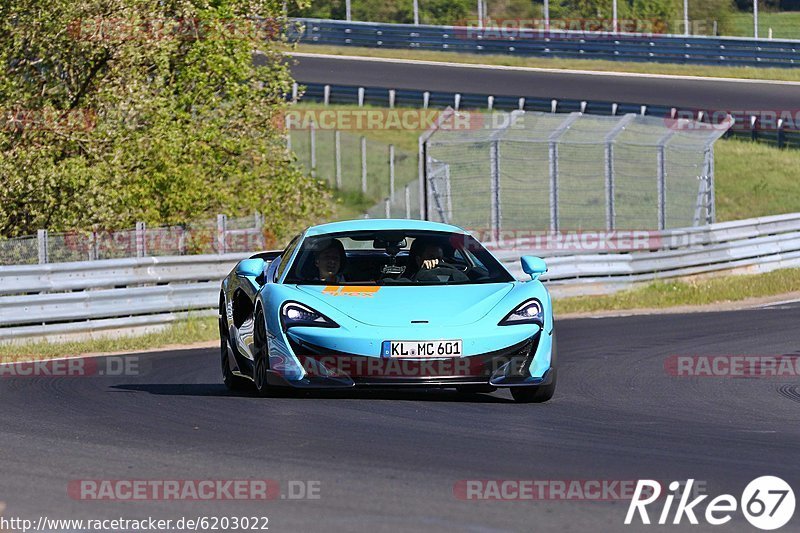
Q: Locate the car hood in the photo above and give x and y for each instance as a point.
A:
(452, 305)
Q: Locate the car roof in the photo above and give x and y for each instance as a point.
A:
(377, 224)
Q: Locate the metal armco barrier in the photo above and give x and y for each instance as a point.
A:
(731, 51)
(94, 297)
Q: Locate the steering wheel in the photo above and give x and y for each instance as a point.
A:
(442, 269)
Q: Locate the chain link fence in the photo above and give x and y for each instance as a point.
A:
(216, 236)
(555, 172)
(354, 164)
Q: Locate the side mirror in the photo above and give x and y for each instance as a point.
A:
(250, 268)
(533, 266)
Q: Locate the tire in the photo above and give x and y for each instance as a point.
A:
(231, 381)
(538, 394)
(541, 393)
(261, 367)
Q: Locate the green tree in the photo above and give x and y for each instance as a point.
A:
(123, 110)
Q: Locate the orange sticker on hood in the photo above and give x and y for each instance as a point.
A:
(337, 290)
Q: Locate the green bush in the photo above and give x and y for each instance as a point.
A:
(137, 110)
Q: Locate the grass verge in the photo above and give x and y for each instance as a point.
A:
(673, 293)
(191, 330)
(784, 24)
(777, 74)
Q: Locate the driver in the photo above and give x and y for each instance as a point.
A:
(428, 255)
(330, 260)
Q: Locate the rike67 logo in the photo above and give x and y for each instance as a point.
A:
(767, 503)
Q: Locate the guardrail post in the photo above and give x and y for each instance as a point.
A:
(326, 94)
(295, 90)
(489, 102)
(337, 148)
(387, 208)
(41, 241)
(522, 104)
(391, 98)
(222, 222)
(391, 172)
(141, 243)
(360, 97)
(426, 97)
(408, 202)
(457, 101)
(363, 164)
(779, 133)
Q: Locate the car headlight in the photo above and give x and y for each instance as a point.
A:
(297, 314)
(528, 312)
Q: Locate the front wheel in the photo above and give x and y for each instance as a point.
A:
(231, 380)
(538, 394)
(261, 368)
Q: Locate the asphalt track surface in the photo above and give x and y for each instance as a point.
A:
(388, 461)
(681, 93)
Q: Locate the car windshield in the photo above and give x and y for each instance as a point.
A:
(394, 258)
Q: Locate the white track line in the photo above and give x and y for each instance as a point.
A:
(610, 73)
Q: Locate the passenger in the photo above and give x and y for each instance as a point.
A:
(330, 261)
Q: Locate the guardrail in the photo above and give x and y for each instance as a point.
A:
(59, 300)
(752, 246)
(730, 51)
(95, 297)
(752, 129)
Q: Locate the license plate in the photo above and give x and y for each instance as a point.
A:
(450, 348)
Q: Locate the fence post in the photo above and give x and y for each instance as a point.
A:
(661, 160)
(222, 222)
(337, 149)
(391, 172)
(41, 240)
(141, 246)
(182, 240)
(363, 164)
(494, 188)
(611, 212)
(662, 171)
(553, 160)
(93, 248)
(312, 132)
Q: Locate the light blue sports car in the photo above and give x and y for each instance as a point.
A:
(389, 303)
